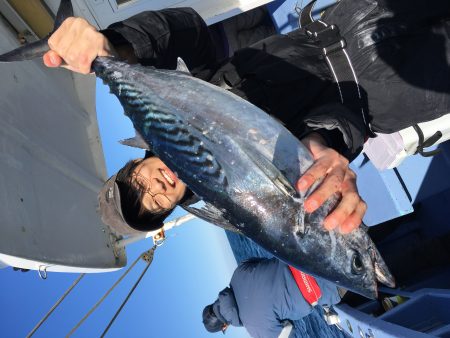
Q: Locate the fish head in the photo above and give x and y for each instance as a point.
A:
(351, 261)
(358, 265)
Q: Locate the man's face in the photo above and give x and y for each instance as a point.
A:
(163, 190)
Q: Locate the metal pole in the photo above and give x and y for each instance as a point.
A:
(133, 239)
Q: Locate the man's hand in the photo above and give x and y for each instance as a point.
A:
(333, 168)
(77, 43)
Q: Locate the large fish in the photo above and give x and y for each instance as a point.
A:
(241, 162)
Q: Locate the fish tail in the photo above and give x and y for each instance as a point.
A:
(28, 52)
(39, 48)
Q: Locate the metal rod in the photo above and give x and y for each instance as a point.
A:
(167, 226)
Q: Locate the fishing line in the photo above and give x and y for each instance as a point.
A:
(104, 297)
(53, 308)
(148, 257)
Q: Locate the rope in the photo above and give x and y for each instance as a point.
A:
(38, 325)
(103, 298)
(148, 256)
(422, 143)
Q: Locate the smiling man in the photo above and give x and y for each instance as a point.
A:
(161, 188)
(142, 195)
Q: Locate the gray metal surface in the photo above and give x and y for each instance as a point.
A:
(51, 168)
(105, 12)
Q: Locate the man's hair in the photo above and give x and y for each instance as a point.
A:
(210, 320)
(133, 211)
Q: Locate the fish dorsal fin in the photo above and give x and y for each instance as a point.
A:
(271, 171)
(211, 214)
(181, 66)
(136, 142)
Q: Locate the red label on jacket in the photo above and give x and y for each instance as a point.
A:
(307, 285)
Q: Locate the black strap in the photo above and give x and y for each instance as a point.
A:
(333, 47)
(422, 144)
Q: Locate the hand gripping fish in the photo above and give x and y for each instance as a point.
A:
(240, 161)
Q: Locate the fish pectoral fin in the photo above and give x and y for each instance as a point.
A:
(271, 171)
(39, 48)
(211, 214)
(136, 142)
(181, 66)
(29, 51)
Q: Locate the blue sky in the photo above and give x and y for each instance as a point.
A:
(188, 271)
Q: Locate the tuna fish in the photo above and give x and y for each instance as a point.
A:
(240, 162)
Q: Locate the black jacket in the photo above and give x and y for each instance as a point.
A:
(400, 50)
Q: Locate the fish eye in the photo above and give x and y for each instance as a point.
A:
(357, 265)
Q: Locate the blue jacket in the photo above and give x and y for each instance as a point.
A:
(263, 294)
